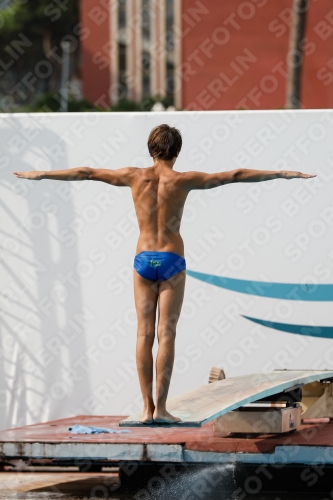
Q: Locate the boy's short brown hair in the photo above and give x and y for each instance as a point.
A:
(164, 142)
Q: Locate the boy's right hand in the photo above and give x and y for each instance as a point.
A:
(31, 174)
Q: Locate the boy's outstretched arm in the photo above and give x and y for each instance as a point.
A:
(203, 180)
(248, 175)
(120, 177)
(70, 174)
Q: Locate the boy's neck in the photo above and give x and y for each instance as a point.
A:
(164, 163)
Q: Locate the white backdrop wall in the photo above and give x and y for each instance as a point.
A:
(68, 323)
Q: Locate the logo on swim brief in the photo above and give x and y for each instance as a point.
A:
(154, 263)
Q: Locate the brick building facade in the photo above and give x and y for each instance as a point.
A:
(203, 54)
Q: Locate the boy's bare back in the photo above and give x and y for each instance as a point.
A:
(159, 194)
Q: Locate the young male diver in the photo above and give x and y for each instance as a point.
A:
(159, 194)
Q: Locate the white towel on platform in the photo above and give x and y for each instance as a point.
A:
(82, 429)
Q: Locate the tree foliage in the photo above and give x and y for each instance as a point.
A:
(30, 30)
(39, 21)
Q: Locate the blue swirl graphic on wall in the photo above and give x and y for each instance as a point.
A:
(289, 291)
(325, 332)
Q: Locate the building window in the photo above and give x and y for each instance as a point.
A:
(122, 50)
(170, 51)
(146, 41)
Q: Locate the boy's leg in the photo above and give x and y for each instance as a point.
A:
(170, 300)
(145, 295)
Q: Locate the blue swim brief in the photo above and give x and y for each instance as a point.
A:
(158, 266)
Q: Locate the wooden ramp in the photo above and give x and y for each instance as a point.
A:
(199, 406)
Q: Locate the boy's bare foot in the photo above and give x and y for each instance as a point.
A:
(145, 420)
(147, 416)
(165, 417)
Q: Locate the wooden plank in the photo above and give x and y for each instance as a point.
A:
(259, 420)
(206, 403)
(74, 483)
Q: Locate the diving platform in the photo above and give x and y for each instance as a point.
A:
(51, 443)
(199, 439)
